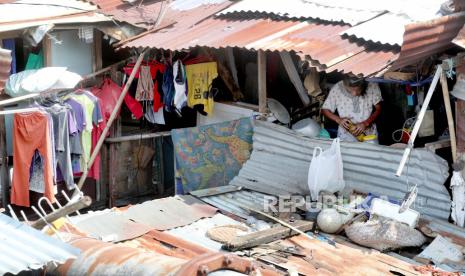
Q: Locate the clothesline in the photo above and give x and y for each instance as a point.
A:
(411, 83)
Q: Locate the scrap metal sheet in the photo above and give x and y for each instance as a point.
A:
(170, 212)
(281, 157)
(23, 248)
(112, 227)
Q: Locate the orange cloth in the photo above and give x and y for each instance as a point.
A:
(30, 132)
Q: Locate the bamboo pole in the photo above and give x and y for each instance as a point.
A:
(109, 123)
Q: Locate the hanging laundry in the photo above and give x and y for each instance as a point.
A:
(35, 61)
(62, 150)
(199, 79)
(97, 131)
(109, 94)
(9, 44)
(75, 138)
(154, 117)
(145, 85)
(179, 77)
(155, 67)
(30, 132)
(93, 115)
(168, 89)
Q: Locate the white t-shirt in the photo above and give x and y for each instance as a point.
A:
(356, 108)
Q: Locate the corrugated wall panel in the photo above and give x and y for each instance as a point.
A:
(280, 160)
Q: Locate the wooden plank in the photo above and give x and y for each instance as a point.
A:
(97, 51)
(267, 236)
(262, 95)
(450, 118)
(294, 77)
(47, 50)
(137, 137)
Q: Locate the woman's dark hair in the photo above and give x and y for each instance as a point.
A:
(355, 82)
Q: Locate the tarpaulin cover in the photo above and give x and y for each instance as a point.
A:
(212, 155)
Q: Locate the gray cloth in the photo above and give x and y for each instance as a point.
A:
(62, 150)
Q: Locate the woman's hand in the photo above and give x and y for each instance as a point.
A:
(359, 129)
(344, 122)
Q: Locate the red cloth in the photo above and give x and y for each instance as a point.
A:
(97, 131)
(154, 68)
(109, 94)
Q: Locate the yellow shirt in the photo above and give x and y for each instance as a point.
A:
(199, 80)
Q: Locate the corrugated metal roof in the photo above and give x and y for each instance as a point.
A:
(196, 232)
(459, 40)
(421, 40)
(320, 43)
(36, 10)
(24, 248)
(304, 10)
(100, 258)
(231, 201)
(107, 4)
(343, 259)
(184, 12)
(160, 214)
(375, 29)
(170, 212)
(280, 160)
(89, 17)
(30, 13)
(5, 67)
(111, 226)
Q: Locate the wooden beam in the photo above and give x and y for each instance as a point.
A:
(262, 95)
(47, 50)
(85, 201)
(294, 77)
(450, 118)
(267, 236)
(97, 51)
(137, 137)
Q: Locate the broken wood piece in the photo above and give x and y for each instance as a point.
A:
(276, 220)
(267, 236)
(85, 201)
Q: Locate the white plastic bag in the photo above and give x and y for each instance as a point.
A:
(326, 171)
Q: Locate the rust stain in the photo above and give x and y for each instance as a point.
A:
(318, 42)
(423, 39)
(344, 260)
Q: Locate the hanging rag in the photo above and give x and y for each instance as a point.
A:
(179, 76)
(458, 198)
(145, 86)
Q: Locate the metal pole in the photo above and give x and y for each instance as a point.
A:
(419, 120)
(109, 123)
